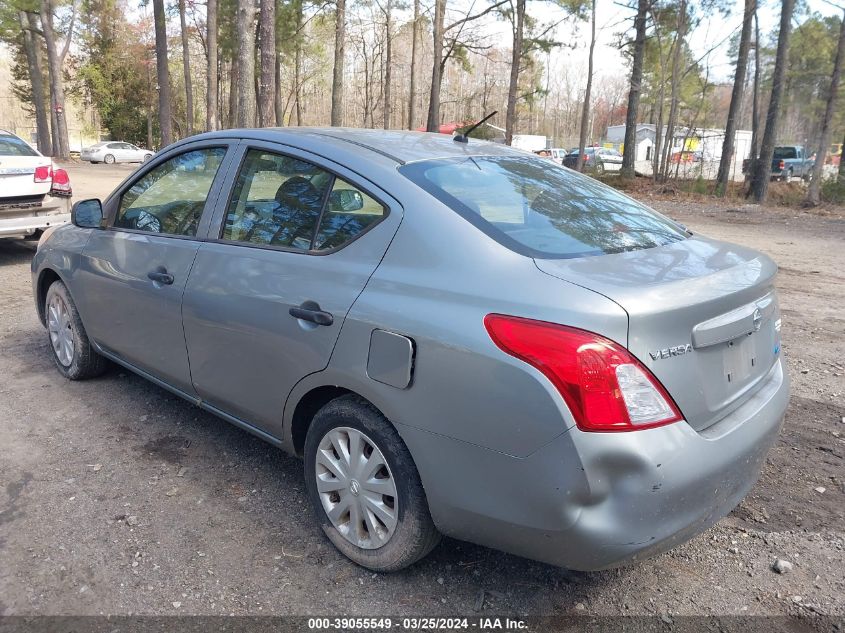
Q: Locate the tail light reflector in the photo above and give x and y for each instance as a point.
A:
(44, 173)
(604, 386)
(61, 183)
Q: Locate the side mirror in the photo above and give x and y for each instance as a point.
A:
(345, 201)
(87, 214)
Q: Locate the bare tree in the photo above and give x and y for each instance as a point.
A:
(518, 25)
(55, 61)
(162, 73)
(36, 78)
(763, 167)
(629, 151)
(267, 81)
(755, 98)
(186, 67)
(736, 98)
(585, 110)
(388, 60)
(415, 36)
(829, 111)
(211, 119)
(339, 52)
(246, 63)
(433, 120)
(678, 46)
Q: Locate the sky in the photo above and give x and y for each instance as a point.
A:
(713, 32)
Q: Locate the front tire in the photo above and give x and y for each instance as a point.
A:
(365, 488)
(75, 357)
(147, 158)
(108, 159)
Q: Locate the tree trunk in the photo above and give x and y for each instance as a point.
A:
(211, 120)
(234, 78)
(150, 142)
(763, 168)
(736, 98)
(829, 111)
(297, 68)
(675, 89)
(433, 120)
(842, 164)
(61, 147)
(518, 25)
(186, 67)
(415, 36)
(755, 100)
(629, 151)
(246, 63)
(267, 93)
(278, 106)
(388, 61)
(162, 74)
(339, 54)
(36, 78)
(585, 110)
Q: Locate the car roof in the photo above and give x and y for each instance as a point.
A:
(398, 145)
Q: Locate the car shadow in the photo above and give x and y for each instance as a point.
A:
(14, 251)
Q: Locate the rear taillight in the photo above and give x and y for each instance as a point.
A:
(781, 165)
(605, 387)
(61, 183)
(43, 173)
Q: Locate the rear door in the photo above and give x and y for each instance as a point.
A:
(132, 275)
(287, 254)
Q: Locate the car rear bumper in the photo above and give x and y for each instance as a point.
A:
(591, 501)
(26, 220)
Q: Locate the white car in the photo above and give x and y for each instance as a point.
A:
(115, 152)
(34, 194)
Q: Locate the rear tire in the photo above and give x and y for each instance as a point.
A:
(599, 168)
(147, 158)
(407, 532)
(75, 357)
(108, 159)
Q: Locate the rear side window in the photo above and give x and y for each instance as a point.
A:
(290, 203)
(171, 197)
(539, 209)
(13, 146)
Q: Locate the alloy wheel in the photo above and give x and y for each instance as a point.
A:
(61, 330)
(356, 488)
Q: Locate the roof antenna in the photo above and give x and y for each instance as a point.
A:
(464, 138)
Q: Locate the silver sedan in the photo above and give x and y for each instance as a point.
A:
(115, 152)
(458, 337)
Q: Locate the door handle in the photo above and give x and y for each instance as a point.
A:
(310, 311)
(161, 276)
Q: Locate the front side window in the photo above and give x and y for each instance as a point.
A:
(290, 203)
(170, 198)
(540, 209)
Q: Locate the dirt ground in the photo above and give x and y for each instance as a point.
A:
(118, 498)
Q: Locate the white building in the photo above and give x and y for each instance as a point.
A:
(707, 141)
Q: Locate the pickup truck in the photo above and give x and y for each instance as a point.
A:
(34, 194)
(788, 161)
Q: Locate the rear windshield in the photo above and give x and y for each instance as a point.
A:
(13, 146)
(539, 209)
(785, 152)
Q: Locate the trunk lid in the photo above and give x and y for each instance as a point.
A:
(702, 316)
(17, 176)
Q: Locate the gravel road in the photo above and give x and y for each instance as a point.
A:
(118, 498)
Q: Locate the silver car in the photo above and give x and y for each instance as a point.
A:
(115, 152)
(459, 338)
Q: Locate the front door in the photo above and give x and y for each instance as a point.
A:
(134, 272)
(292, 249)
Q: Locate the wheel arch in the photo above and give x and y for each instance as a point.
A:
(46, 278)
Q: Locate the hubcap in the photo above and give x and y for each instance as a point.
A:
(61, 330)
(356, 488)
